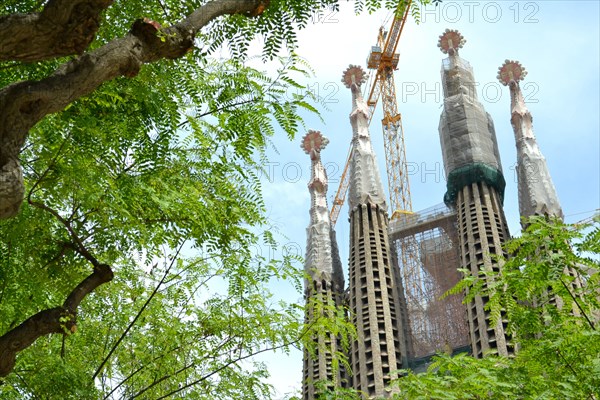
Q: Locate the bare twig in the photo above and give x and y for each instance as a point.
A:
(118, 342)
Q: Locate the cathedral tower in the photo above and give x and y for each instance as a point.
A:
(325, 279)
(373, 290)
(475, 186)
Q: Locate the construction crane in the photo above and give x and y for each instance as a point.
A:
(384, 60)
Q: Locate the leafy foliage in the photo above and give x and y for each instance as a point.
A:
(155, 176)
(177, 173)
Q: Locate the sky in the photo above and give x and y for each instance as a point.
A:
(556, 41)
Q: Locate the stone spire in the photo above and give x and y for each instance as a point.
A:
(537, 195)
(475, 187)
(323, 268)
(365, 180)
(322, 255)
(373, 288)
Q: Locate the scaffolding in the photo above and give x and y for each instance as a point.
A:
(436, 324)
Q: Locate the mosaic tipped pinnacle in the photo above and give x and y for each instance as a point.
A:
(511, 71)
(450, 41)
(354, 74)
(313, 141)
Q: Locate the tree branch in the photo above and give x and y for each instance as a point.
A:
(58, 319)
(77, 244)
(24, 104)
(589, 321)
(126, 331)
(63, 28)
(132, 374)
(232, 361)
(227, 364)
(49, 321)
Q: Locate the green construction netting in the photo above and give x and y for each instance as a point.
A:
(473, 173)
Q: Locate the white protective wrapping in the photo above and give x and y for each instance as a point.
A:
(466, 130)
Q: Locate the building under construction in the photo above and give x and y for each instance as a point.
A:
(402, 263)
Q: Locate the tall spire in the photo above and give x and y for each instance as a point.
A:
(467, 134)
(373, 287)
(365, 180)
(323, 268)
(322, 255)
(475, 187)
(537, 195)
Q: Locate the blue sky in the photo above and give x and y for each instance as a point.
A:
(556, 41)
